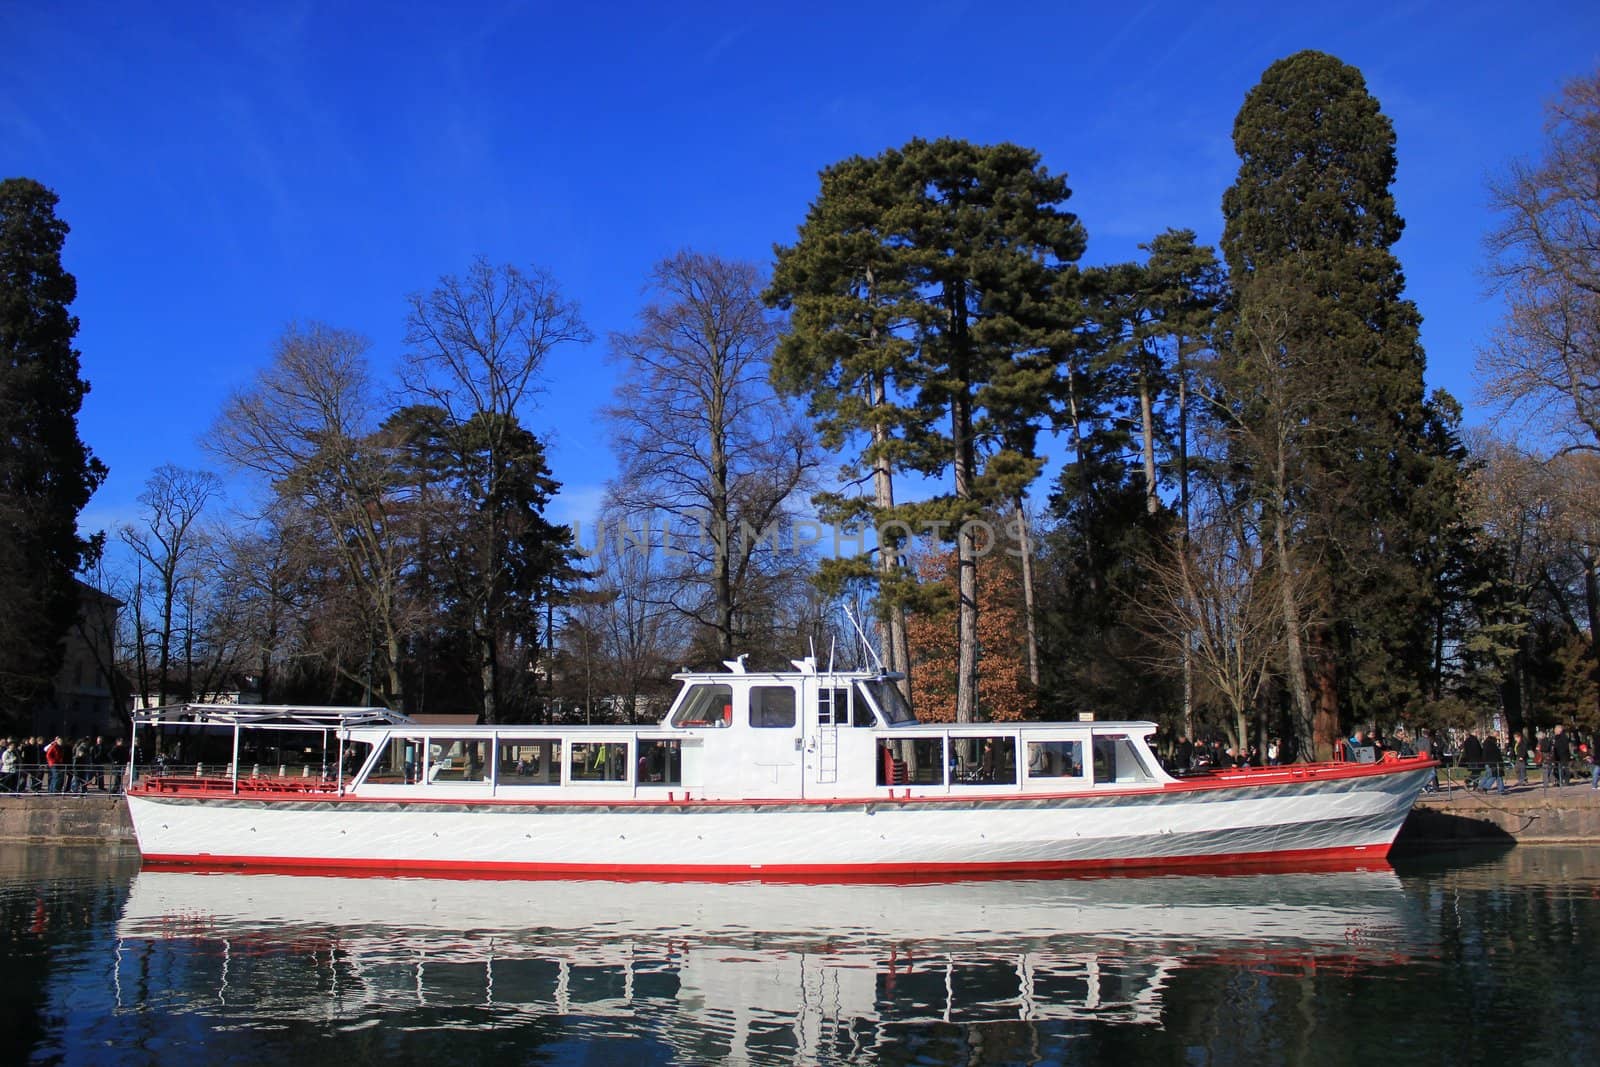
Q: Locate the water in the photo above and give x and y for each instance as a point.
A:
(1453, 960)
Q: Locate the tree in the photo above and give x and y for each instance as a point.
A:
(483, 561)
(47, 474)
(1373, 467)
(1093, 568)
(622, 637)
(478, 343)
(707, 447)
(1210, 604)
(1543, 362)
(926, 285)
(848, 282)
(1003, 691)
(257, 570)
(307, 426)
(169, 541)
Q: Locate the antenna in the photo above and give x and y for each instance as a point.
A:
(865, 642)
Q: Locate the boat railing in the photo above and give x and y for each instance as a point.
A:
(166, 783)
(1387, 759)
(170, 776)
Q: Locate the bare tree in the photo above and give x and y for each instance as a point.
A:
(306, 426)
(623, 633)
(257, 573)
(1260, 401)
(1214, 602)
(170, 542)
(479, 341)
(1543, 363)
(705, 443)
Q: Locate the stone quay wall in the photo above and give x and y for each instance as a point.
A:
(71, 818)
(1531, 813)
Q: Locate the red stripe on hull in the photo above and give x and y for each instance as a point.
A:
(1346, 857)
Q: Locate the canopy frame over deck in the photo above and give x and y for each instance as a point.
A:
(287, 717)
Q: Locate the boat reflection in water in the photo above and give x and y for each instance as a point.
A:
(747, 970)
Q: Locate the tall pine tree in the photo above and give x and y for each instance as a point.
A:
(46, 473)
(1325, 382)
(849, 286)
(969, 252)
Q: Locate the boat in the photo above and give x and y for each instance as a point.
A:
(805, 773)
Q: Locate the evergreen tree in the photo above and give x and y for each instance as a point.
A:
(848, 284)
(1325, 362)
(47, 474)
(484, 558)
(1122, 398)
(970, 255)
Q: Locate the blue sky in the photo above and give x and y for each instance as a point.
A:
(226, 172)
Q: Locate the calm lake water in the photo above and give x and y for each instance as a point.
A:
(1450, 960)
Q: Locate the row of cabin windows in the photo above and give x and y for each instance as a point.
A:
(526, 761)
(992, 760)
(771, 707)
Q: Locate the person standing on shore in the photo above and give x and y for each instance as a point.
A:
(1472, 759)
(29, 758)
(1561, 754)
(1424, 748)
(8, 766)
(97, 766)
(54, 756)
(1493, 774)
(79, 781)
(1521, 750)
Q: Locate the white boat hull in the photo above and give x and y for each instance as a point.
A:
(1265, 819)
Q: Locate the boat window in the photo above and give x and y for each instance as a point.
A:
(772, 706)
(458, 759)
(1055, 759)
(886, 697)
(985, 760)
(396, 763)
(529, 761)
(599, 761)
(1117, 760)
(709, 704)
(911, 761)
(293, 752)
(833, 706)
(660, 763)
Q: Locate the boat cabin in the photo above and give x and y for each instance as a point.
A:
(732, 735)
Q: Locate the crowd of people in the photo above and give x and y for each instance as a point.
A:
(1492, 761)
(58, 765)
(1559, 756)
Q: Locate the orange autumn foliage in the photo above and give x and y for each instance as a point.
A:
(1003, 692)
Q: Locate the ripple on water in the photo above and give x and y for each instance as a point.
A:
(105, 962)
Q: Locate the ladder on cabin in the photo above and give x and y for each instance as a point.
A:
(827, 738)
